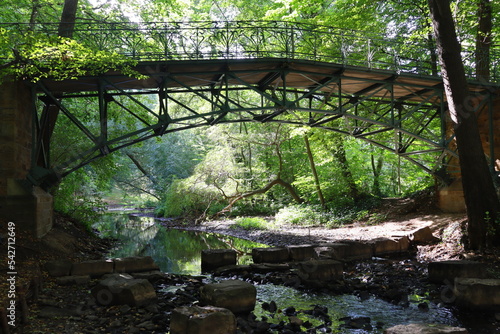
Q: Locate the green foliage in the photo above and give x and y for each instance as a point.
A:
(33, 56)
(78, 197)
(250, 223)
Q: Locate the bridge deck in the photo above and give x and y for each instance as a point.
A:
(356, 81)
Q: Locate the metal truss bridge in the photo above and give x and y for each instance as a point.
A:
(385, 91)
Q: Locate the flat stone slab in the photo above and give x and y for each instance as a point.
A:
(59, 268)
(301, 252)
(425, 329)
(320, 270)
(94, 268)
(118, 289)
(134, 264)
(384, 246)
(73, 280)
(202, 320)
(270, 255)
(234, 295)
(477, 293)
(215, 258)
(346, 250)
(445, 272)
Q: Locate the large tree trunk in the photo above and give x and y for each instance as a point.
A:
(68, 18)
(480, 195)
(483, 40)
(314, 172)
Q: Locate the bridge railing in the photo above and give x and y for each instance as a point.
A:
(157, 41)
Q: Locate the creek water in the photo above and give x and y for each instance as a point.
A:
(179, 251)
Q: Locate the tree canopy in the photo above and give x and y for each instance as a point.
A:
(234, 168)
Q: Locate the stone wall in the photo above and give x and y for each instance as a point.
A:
(31, 208)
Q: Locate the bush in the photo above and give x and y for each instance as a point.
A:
(302, 215)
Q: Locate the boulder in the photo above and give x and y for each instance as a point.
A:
(134, 264)
(301, 252)
(446, 271)
(117, 289)
(202, 320)
(234, 295)
(320, 270)
(425, 329)
(270, 255)
(94, 268)
(478, 293)
(215, 258)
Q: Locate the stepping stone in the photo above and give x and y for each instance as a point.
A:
(346, 251)
(425, 329)
(270, 255)
(202, 320)
(422, 235)
(134, 264)
(234, 295)
(444, 272)
(301, 252)
(384, 246)
(118, 289)
(320, 270)
(94, 268)
(478, 293)
(58, 268)
(215, 258)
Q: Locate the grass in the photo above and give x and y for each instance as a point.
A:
(250, 223)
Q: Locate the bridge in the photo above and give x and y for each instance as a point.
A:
(386, 91)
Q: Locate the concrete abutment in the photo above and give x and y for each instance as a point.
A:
(30, 208)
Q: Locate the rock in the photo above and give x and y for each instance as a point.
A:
(477, 293)
(58, 268)
(320, 270)
(202, 320)
(94, 268)
(301, 252)
(73, 280)
(384, 246)
(215, 258)
(151, 276)
(425, 329)
(270, 255)
(346, 251)
(444, 272)
(134, 264)
(234, 295)
(118, 289)
(422, 235)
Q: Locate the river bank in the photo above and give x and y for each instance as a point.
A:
(71, 309)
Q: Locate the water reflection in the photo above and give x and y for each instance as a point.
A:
(381, 313)
(175, 251)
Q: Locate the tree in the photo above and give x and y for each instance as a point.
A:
(480, 195)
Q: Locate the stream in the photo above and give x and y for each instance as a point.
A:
(179, 252)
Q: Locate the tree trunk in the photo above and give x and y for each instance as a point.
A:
(68, 18)
(338, 150)
(263, 190)
(483, 40)
(480, 195)
(314, 172)
(377, 169)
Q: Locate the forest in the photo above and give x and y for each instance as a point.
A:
(296, 173)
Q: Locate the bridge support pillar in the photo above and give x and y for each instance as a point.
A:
(451, 198)
(30, 208)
